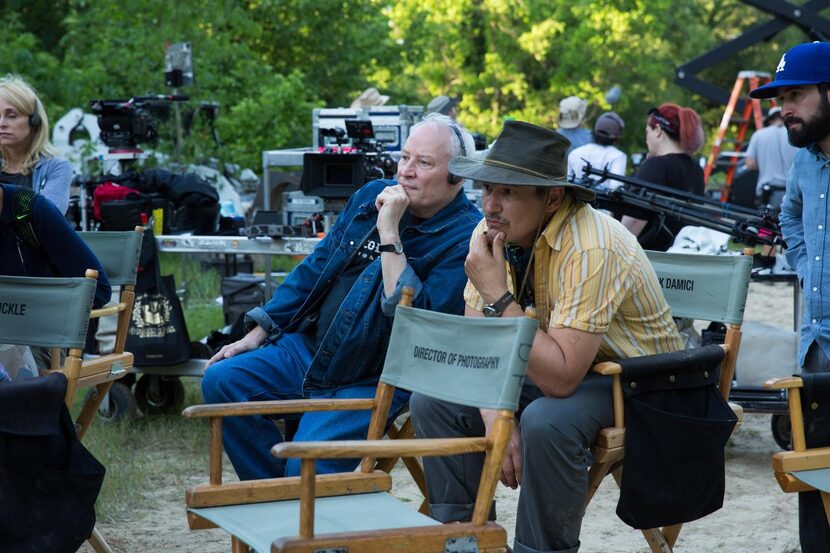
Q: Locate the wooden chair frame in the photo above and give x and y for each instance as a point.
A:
(72, 367)
(609, 447)
(102, 371)
(784, 463)
(308, 486)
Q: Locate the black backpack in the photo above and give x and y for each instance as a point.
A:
(23, 228)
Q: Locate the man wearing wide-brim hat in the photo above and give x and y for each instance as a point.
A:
(597, 297)
(802, 86)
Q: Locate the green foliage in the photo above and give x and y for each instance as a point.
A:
(518, 59)
(269, 62)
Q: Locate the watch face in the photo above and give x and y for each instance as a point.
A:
(490, 311)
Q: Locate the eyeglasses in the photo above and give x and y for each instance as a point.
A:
(664, 123)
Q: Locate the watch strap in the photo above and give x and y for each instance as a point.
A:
(395, 247)
(501, 304)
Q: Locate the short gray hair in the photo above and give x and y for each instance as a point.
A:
(438, 120)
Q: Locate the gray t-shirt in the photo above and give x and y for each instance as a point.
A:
(771, 150)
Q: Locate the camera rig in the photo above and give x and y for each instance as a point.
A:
(377, 162)
(125, 124)
(336, 171)
(743, 224)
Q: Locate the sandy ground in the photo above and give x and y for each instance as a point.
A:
(756, 516)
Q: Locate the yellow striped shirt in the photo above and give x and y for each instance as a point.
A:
(590, 274)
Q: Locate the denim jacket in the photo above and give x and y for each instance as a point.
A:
(353, 349)
(804, 220)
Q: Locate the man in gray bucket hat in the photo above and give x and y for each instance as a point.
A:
(597, 298)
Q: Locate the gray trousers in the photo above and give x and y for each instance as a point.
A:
(556, 437)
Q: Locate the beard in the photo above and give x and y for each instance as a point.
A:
(812, 131)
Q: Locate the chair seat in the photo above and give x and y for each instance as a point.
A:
(259, 524)
(818, 478)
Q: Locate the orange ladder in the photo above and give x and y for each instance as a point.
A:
(751, 107)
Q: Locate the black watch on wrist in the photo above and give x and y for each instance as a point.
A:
(496, 308)
(396, 247)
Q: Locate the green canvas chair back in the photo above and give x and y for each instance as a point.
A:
(707, 287)
(474, 361)
(45, 312)
(118, 253)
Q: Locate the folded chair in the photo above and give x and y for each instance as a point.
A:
(473, 361)
(807, 467)
(118, 252)
(54, 313)
(683, 392)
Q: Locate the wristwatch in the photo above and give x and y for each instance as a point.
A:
(496, 308)
(397, 247)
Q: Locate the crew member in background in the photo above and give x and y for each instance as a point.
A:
(602, 153)
(443, 105)
(598, 299)
(802, 85)
(571, 116)
(771, 154)
(673, 134)
(28, 158)
(325, 331)
(368, 98)
(37, 241)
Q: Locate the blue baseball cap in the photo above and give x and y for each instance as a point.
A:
(804, 64)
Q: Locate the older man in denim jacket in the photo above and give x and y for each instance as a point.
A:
(802, 85)
(325, 331)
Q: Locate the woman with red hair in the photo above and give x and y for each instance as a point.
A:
(673, 134)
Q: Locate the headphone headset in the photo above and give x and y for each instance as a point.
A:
(34, 119)
(454, 179)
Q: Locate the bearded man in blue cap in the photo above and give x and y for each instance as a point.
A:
(801, 84)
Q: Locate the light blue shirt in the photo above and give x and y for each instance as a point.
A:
(578, 136)
(804, 220)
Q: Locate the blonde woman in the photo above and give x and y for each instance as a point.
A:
(27, 158)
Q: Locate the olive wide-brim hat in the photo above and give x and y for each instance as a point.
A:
(523, 155)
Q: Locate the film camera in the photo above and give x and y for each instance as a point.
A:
(336, 172)
(125, 124)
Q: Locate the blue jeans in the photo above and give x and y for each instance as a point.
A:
(276, 372)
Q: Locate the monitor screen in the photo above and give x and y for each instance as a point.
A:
(332, 175)
(360, 130)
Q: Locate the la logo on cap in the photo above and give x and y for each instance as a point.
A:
(781, 64)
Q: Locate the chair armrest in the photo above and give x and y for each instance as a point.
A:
(108, 310)
(607, 368)
(277, 407)
(350, 449)
(784, 383)
(810, 459)
(610, 368)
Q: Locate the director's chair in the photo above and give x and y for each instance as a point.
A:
(806, 468)
(354, 511)
(53, 313)
(676, 388)
(118, 252)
